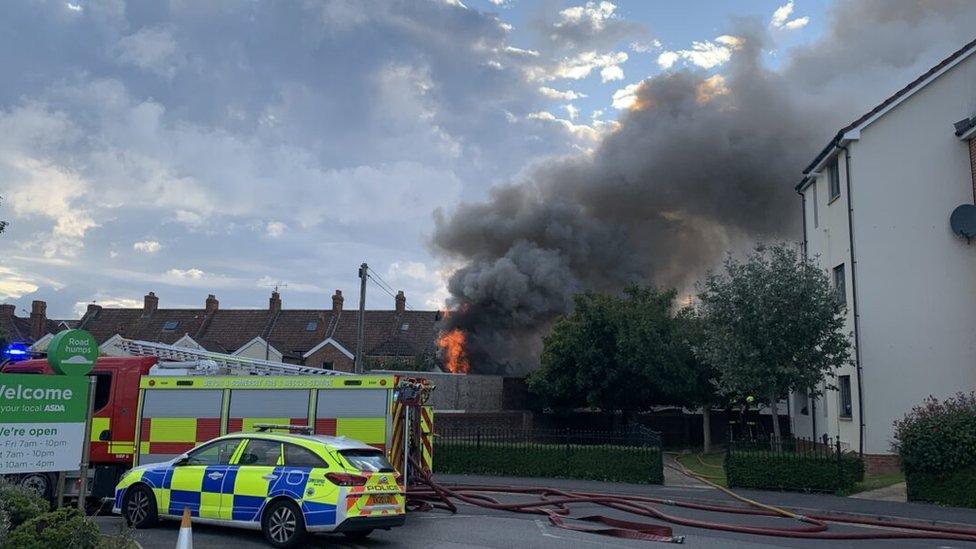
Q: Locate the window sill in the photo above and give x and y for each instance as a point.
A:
(832, 200)
(846, 418)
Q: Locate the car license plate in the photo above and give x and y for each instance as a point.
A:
(384, 499)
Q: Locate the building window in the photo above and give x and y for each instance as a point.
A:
(171, 325)
(311, 326)
(840, 288)
(844, 386)
(833, 176)
(816, 207)
(328, 366)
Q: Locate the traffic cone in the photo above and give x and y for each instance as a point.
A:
(185, 541)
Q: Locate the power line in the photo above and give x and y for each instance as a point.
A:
(388, 289)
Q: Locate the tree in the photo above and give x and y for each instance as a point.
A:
(701, 389)
(613, 353)
(772, 324)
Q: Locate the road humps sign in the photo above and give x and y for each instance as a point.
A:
(72, 352)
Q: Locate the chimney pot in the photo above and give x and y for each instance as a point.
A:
(274, 304)
(337, 302)
(401, 302)
(212, 304)
(150, 303)
(38, 319)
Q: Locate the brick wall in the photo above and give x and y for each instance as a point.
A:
(881, 464)
(329, 353)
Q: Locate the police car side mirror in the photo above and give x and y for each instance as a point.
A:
(183, 460)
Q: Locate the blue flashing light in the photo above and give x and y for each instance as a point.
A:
(15, 352)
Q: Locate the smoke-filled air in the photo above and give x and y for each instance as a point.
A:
(701, 163)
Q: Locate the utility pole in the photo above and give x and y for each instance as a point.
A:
(361, 335)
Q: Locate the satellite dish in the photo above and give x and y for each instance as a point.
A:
(963, 221)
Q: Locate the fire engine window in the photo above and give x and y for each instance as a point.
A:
(296, 456)
(217, 453)
(103, 389)
(261, 452)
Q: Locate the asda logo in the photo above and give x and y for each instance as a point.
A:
(19, 392)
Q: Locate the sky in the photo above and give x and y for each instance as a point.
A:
(192, 148)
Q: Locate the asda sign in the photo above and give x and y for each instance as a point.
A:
(42, 422)
(72, 352)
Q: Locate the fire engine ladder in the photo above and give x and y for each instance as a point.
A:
(237, 365)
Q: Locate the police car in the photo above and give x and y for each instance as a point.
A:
(285, 484)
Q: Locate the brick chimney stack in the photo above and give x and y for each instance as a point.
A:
(401, 302)
(274, 304)
(92, 309)
(7, 310)
(150, 303)
(337, 302)
(212, 304)
(38, 319)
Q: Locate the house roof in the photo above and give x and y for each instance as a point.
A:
(889, 103)
(293, 332)
(19, 328)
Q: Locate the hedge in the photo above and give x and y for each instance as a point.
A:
(936, 442)
(792, 472)
(19, 504)
(957, 488)
(611, 464)
(65, 528)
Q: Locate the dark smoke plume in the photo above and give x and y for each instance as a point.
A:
(698, 166)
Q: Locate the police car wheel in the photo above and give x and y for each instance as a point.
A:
(139, 507)
(283, 524)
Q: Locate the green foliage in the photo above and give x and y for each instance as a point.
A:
(938, 437)
(957, 488)
(793, 472)
(66, 528)
(772, 324)
(20, 504)
(614, 353)
(610, 464)
(937, 445)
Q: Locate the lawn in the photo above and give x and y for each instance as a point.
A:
(877, 481)
(709, 466)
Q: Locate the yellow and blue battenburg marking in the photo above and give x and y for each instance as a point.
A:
(218, 492)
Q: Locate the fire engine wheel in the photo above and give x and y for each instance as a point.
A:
(39, 483)
(139, 507)
(283, 524)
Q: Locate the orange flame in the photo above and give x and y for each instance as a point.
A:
(455, 355)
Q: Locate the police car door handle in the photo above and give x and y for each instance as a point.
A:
(215, 475)
(270, 477)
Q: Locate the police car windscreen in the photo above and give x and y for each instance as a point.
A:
(373, 461)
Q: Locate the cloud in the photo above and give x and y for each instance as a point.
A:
(107, 301)
(580, 66)
(147, 246)
(152, 49)
(587, 135)
(14, 284)
(186, 274)
(645, 47)
(626, 97)
(705, 54)
(588, 26)
(781, 18)
(568, 95)
(571, 110)
(274, 229)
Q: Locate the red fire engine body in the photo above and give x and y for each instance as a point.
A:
(114, 419)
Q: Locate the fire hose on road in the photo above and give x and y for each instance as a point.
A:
(554, 503)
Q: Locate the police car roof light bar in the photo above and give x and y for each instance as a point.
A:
(265, 427)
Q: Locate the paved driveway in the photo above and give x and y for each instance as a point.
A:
(474, 527)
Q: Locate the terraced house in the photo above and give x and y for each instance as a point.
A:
(326, 338)
(877, 208)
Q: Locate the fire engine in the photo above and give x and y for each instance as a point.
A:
(164, 400)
